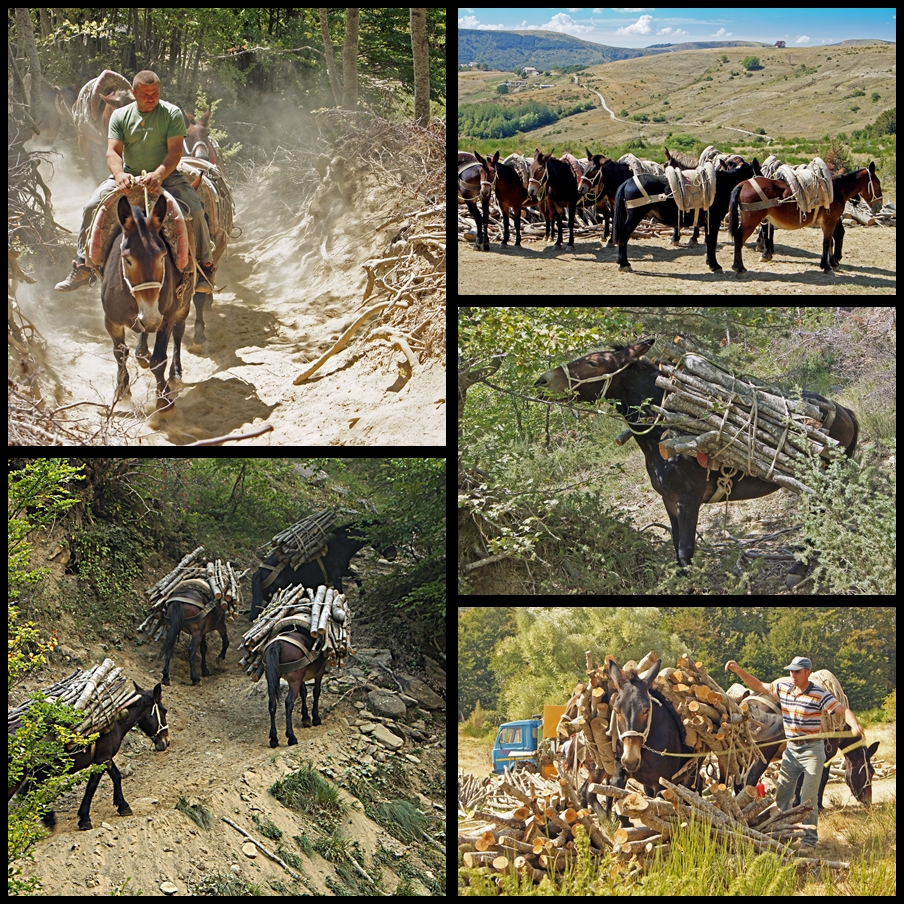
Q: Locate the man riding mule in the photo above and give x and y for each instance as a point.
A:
(146, 136)
(802, 702)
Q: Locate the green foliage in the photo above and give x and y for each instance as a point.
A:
(490, 120)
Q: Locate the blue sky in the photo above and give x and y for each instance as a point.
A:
(640, 27)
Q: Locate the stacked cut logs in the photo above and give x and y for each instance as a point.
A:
(222, 584)
(100, 693)
(741, 423)
(525, 824)
(712, 721)
(323, 614)
(303, 541)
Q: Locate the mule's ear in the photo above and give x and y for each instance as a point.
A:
(158, 213)
(124, 212)
(642, 346)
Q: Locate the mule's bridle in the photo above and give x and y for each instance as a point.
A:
(643, 735)
(574, 382)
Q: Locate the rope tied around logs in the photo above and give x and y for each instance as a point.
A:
(740, 422)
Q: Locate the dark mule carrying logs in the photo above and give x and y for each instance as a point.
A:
(293, 657)
(629, 379)
(275, 573)
(149, 714)
(647, 726)
(186, 612)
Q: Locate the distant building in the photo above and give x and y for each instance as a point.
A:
(779, 43)
(529, 71)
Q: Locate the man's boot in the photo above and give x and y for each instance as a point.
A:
(79, 277)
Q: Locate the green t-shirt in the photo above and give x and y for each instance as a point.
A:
(144, 135)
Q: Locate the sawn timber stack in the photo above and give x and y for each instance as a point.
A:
(740, 422)
(712, 721)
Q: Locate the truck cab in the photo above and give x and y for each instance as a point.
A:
(518, 743)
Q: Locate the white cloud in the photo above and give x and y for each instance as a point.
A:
(722, 33)
(640, 27)
(803, 39)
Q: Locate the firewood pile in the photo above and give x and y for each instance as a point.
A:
(712, 721)
(100, 693)
(522, 823)
(303, 541)
(741, 422)
(216, 579)
(322, 614)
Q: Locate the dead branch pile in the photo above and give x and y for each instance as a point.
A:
(522, 823)
(100, 693)
(741, 422)
(323, 614)
(712, 720)
(217, 580)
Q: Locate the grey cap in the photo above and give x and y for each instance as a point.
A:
(798, 663)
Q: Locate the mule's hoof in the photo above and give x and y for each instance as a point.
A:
(292, 741)
(195, 681)
(274, 742)
(126, 811)
(318, 721)
(626, 268)
(84, 826)
(165, 680)
(305, 723)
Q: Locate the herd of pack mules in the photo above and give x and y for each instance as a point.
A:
(149, 283)
(646, 723)
(609, 187)
(149, 713)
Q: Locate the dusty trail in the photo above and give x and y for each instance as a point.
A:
(292, 283)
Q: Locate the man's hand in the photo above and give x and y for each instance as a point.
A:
(152, 180)
(730, 666)
(123, 180)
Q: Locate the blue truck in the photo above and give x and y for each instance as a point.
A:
(519, 743)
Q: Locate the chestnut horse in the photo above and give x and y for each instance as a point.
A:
(629, 379)
(745, 212)
(283, 652)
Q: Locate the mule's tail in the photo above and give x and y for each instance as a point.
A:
(174, 613)
(620, 216)
(852, 448)
(272, 668)
(734, 221)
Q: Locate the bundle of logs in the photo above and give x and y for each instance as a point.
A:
(303, 541)
(100, 693)
(741, 423)
(712, 721)
(217, 579)
(522, 823)
(322, 614)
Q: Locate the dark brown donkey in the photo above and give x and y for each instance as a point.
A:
(746, 211)
(554, 181)
(510, 192)
(149, 714)
(294, 656)
(629, 379)
(139, 292)
(188, 610)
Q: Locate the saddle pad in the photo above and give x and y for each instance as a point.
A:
(639, 167)
(693, 189)
(811, 184)
(106, 222)
(827, 681)
(519, 165)
(575, 167)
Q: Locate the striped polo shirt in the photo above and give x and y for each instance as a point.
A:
(801, 709)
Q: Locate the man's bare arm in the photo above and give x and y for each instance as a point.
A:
(746, 677)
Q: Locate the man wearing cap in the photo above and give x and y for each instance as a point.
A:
(802, 704)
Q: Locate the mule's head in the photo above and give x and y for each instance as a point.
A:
(872, 192)
(633, 708)
(143, 252)
(488, 173)
(153, 721)
(539, 177)
(589, 377)
(858, 772)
